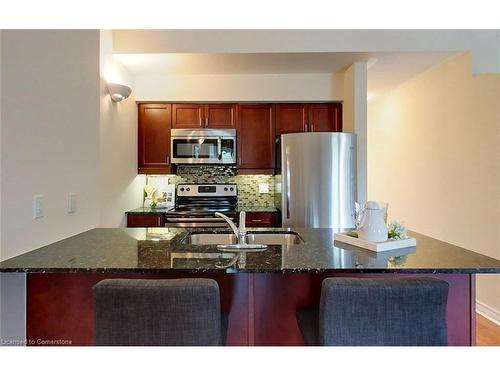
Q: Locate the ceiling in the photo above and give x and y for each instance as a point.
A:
(386, 70)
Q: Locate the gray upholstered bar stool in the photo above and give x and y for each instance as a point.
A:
(394, 312)
(158, 312)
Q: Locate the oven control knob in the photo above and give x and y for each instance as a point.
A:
(188, 189)
(182, 189)
(231, 189)
(225, 189)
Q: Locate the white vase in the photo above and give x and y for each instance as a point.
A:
(373, 227)
(148, 201)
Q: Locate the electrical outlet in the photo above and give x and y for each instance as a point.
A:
(264, 188)
(37, 206)
(71, 203)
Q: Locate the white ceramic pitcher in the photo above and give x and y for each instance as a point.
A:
(373, 226)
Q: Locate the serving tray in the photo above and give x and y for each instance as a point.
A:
(375, 246)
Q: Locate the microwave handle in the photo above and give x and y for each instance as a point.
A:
(219, 148)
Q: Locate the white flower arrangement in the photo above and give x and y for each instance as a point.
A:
(397, 231)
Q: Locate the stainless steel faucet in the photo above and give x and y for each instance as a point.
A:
(241, 231)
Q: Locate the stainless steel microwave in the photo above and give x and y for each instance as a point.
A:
(203, 146)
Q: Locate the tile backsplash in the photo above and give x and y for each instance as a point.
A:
(248, 185)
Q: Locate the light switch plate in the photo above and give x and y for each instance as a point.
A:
(71, 203)
(37, 206)
(264, 188)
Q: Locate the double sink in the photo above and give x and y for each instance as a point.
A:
(284, 239)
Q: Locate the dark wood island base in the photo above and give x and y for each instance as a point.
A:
(261, 306)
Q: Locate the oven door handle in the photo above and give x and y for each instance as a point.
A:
(219, 148)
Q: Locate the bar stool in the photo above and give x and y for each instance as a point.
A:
(158, 312)
(372, 312)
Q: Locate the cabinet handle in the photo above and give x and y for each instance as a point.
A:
(311, 127)
(168, 159)
(206, 122)
(159, 221)
(239, 161)
(201, 124)
(255, 220)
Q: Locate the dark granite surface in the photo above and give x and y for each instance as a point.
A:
(163, 249)
(257, 209)
(146, 210)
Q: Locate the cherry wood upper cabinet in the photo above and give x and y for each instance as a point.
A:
(195, 115)
(188, 116)
(325, 117)
(291, 118)
(154, 138)
(256, 137)
(220, 115)
(312, 117)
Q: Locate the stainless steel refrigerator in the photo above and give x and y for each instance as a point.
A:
(318, 180)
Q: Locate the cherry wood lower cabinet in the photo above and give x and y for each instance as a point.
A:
(261, 306)
(261, 219)
(145, 220)
(60, 306)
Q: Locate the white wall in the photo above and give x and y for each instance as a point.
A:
(50, 135)
(434, 155)
(239, 87)
(354, 119)
(1, 126)
(120, 185)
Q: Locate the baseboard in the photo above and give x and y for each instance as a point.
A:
(488, 312)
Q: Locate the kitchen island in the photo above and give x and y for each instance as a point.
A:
(261, 295)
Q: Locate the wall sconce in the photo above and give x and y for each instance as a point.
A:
(118, 92)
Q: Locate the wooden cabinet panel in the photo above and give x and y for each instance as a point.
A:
(326, 117)
(154, 138)
(260, 219)
(291, 118)
(145, 220)
(256, 135)
(220, 116)
(188, 116)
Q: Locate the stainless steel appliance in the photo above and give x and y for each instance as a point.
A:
(203, 146)
(318, 180)
(196, 205)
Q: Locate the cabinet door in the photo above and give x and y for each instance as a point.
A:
(325, 117)
(255, 135)
(220, 116)
(188, 116)
(291, 118)
(154, 138)
(145, 220)
(260, 219)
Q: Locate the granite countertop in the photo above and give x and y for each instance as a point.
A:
(257, 209)
(163, 249)
(147, 210)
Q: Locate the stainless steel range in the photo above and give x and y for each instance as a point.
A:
(196, 205)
